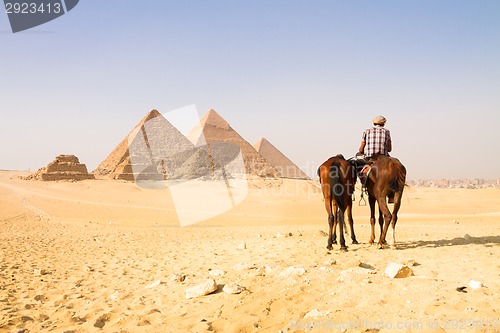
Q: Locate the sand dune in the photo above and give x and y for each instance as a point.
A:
(107, 256)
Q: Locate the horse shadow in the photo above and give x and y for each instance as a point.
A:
(487, 241)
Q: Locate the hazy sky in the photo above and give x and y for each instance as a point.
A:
(307, 75)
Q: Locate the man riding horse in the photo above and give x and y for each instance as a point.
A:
(382, 177)
(376, 141)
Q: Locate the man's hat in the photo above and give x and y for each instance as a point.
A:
(379, 120)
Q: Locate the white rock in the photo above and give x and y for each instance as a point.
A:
(216, 272)
(38, 272)
(262, 270)
(205, 288)
(174, 277)
(395, 270)
(243, 266)
(232, 288)
(316, 313)
(345, 275)
(348, 274)
(473, 284)
(293, 271)
(410, 262)
(154, 284)
(467, 237)
(114, 295)
(330, 262)
(242, 246)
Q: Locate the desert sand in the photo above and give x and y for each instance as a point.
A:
(107, 256)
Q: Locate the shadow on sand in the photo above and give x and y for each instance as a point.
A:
(487, 241)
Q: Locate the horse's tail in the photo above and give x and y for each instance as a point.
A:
(336, 186)
(397, 183)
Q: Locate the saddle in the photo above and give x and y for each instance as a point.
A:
(363, 168)
(364, 174)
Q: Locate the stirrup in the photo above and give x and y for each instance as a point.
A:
(362, 198)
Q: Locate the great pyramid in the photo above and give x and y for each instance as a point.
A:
(285, 167)
(225, 143)
(155, 150)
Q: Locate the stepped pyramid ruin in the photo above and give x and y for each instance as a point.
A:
(155, 150)
(224, 142)
(285, 167)
(64, 167)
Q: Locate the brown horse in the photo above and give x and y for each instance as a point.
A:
(386, 178)
(337, 178)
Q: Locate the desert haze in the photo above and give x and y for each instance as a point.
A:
(106, 255)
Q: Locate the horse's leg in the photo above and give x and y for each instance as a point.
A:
(331, 221)
(381, 222)
(335, 222)
(382, 203)
(371, 200)
(341, 223)
(397, 204)
(351, 222)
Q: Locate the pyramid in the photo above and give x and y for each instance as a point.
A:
(64, 167)
(285, 167)
(155, 150)
(224, 142)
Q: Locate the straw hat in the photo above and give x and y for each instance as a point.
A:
(379, 120)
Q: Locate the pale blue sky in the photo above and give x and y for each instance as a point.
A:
(307, 75)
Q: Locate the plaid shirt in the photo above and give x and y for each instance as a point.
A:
(377, 140)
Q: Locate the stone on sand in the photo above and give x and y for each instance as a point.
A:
(153, 284)
(216, 272)
(39, 272)
(330, 262)
(293, 271)
(317, 313)
(176, 277)
(114, 296)
(205, 288)
(243, 266)
(473, 284)
(232, 288)
(395, 270)
(410, 262)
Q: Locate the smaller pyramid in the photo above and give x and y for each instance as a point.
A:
(285, 167)
(224, 142)
(64, 167)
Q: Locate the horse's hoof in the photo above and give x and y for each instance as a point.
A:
(381, 246)
(355, 242)
(329, 247)
(334, 242)
(393, 247)
(370, 242)
(343, 249)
